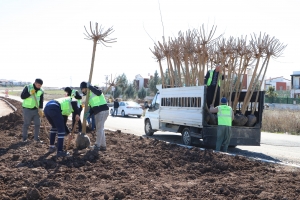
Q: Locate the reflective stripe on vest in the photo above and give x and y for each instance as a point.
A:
(73, 94)
(211, 73)
(224, 115)
(66, 107)
(95, 100)
(30, 102)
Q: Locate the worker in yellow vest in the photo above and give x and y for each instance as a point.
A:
(225, 118)
(100, 109)
(75, 96)
(33, 98)
(57, 113)
(211, 80)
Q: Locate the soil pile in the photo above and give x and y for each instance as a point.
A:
(133, 168)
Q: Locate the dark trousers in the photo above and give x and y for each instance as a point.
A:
(210, 92)
(79, 121)
(53, 114)
(223, 138)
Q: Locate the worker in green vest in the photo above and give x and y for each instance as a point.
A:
(57, 113)
(33, 98)
(225, 117)
(100, 109)
(75, 96)
(211, 80)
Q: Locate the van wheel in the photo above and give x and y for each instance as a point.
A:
(123, 113)
(186, 136)
(148, 128)
(111, 112)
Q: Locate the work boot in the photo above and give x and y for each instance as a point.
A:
(96, 148)
(62, 154)
(38, 140)
(52, 149)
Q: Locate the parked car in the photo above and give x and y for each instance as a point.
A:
(128, 108)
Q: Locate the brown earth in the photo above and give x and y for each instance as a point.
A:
(133, 168)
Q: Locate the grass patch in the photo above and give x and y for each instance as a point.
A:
(281, 121)
(48, 94)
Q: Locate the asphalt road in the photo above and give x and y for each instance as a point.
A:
(280, 148)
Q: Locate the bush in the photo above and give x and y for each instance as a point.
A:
(281, 121)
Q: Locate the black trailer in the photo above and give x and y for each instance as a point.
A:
(241, 135)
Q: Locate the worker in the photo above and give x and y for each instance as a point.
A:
(211, 80)
(100, 109)
(75, 96)
(33, 98)
(57, 114)
(116, 106)
(225, 118)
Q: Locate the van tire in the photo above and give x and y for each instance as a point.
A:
(186, 136)
(148, 128)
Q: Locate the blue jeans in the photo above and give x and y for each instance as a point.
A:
(91, 118)
(115, 111)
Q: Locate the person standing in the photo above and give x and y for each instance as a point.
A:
(100, 109)
(116, 106)
(225, 118)
(57, 114)
(75, 96)
(33, 98)
(211, 80)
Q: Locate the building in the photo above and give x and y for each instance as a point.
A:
(279, 83)
(295, 81)
(141, 82)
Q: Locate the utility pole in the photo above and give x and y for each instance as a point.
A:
(106, 81)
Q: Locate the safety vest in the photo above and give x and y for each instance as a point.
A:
(224, 115)
(211, 73)
(30, 101)
(73, 94)
(95, 100)
(66, 107)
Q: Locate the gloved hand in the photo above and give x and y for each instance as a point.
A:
(88, 84)
(41, 113)
(86, 115)
(32, 91)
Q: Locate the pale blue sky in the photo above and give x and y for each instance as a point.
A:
(44, 38)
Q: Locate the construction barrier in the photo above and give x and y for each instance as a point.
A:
(6, 93)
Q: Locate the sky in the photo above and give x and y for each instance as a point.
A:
(45, 38)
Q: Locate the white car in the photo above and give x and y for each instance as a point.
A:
(128, 108)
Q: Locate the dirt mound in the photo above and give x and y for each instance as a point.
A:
(135, 168)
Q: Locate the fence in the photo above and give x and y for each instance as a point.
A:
(283, 100)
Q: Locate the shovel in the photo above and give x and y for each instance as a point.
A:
(42, 120)
(71, 135)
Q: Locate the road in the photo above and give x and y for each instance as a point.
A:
(274, 147)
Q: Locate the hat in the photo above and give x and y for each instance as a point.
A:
(68, 90)
(223, 100)
(39, 81)
(83, 85)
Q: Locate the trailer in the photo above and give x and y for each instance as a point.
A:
(182, 110)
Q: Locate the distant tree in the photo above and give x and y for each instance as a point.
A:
(117, 92)
(155, 80)
(271, 92)
(142, 93)
(122, 82)
(130, 92)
